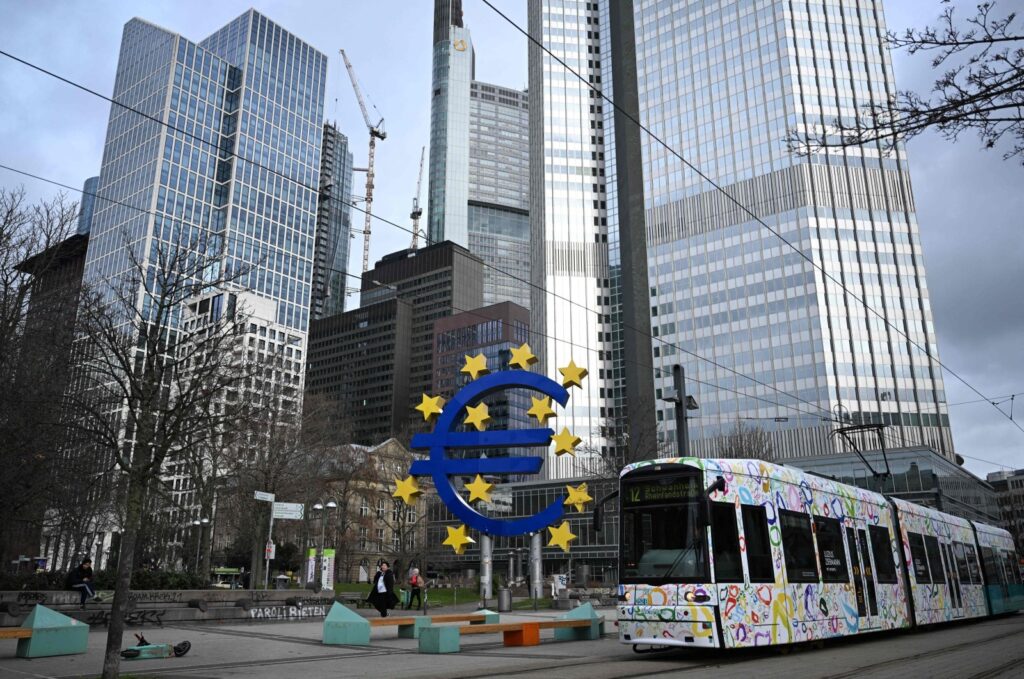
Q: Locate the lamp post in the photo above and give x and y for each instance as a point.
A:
(682, 402)
(200, 524)
(322, 507)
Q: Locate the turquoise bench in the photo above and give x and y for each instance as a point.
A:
(46, 633)
(345, 627)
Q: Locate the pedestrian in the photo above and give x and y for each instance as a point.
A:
(81, 580)
(416, 587)
(382, 593)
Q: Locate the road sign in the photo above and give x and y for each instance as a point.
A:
(288, 510)
(265, 497)
(271, 551)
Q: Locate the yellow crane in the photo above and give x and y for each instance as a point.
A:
(417, 211)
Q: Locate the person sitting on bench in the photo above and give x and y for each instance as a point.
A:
(81, 580)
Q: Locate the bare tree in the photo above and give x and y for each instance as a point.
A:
(746, 442)
(149, 377)
(980, 90)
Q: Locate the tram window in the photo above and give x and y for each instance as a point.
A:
(961, 563)
(798, 545)
(1012, 567)
(972, 565)
(992, 568)
(931, 543)
(920, 558)
(881, 545)
(759, 547)
(725, 543)
(830, 550)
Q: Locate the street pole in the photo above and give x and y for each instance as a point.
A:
(682, 428)
(486, 552)
(266, 552)
(536, 571)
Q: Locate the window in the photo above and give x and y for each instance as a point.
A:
(364, 508)
(961, 563)
(931, 543)
(972, 564)
(920, 558)
(380, 508)
(362, 539)
(380, 539)
(830, 550)
(759, 546)
(798, 545)
(1012, 568)
(725, 543)
(881, 545)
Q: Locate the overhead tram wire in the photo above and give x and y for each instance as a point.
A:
(742, 207)
(825, 415)
(407, 230)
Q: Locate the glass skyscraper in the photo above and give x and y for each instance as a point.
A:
(250, 89)
(333, 225)
(88, 206)
(723, 85)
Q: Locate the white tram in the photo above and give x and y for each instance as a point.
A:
(733, 553)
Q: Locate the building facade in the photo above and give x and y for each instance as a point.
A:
(436, 281)
(589, 294)
(88, 205)
(723, 87)
(1009, 487)
(333, 226)
(360, 360)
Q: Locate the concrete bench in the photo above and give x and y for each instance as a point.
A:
(580, 624)
(47, 633)
(343, 626)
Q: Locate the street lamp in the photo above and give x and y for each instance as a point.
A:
(320, 507)
(678, 396)
(200, 524)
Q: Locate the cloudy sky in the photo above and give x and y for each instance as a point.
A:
(970, 202)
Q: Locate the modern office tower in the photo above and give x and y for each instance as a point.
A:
(590, 299)
(333, 226)
(437, 281)
(250, 89)
(499, 190)
(88, 205)
(722, 83)
(1009, 488)
(448, 172)
(492, 331)
(359, 360)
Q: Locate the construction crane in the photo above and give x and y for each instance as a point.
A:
(417, 211)
(376, 132)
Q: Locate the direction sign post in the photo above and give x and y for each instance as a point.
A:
(267, 497)
(289, 511)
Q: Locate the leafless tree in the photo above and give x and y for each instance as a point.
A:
(981, 88)
(148, 376)
(746, 442)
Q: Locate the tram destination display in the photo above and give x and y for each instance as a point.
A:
(664, 490)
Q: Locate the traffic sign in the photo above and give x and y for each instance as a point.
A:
(271, 551)
(288, 510)
(265, 497)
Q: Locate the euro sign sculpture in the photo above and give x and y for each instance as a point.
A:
(443, 439)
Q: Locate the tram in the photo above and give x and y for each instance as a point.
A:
(722, 553)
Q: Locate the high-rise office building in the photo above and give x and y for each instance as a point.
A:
(722, 88)
(88, 205)
(499, 190)
(589, 299)
(333, 226)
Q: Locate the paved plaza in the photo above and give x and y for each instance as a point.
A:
(292, 649)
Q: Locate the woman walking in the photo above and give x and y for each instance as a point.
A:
(382, 594)
(416, 589)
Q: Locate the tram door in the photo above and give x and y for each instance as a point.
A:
(863, 576)
(952, 580)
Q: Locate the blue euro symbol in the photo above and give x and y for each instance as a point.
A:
(439, 467)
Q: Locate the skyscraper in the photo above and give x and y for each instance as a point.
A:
(722, 88)
(88, 205)
(250, 89)
(722, 83)
(333, 226)
(589, 298)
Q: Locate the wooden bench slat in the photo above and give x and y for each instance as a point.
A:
(384, 622)
(458, 617)
(492, 628)
(553, 624)
(15, 633)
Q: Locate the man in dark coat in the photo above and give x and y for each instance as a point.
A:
(382, 593)
(81, 579)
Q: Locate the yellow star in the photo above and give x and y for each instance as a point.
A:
(566, 442)
(560, 537)
(457, 539)
(479, 489)
(477, 416)
(475, 366)
(408, 490)
(541, 409)
(523, 357)
(430, 406)
(572, 375)
(578, 497)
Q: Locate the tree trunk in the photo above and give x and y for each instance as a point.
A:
(115, 629)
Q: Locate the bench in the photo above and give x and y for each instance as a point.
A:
(580, 624)
(342, 626)
(46, 632)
